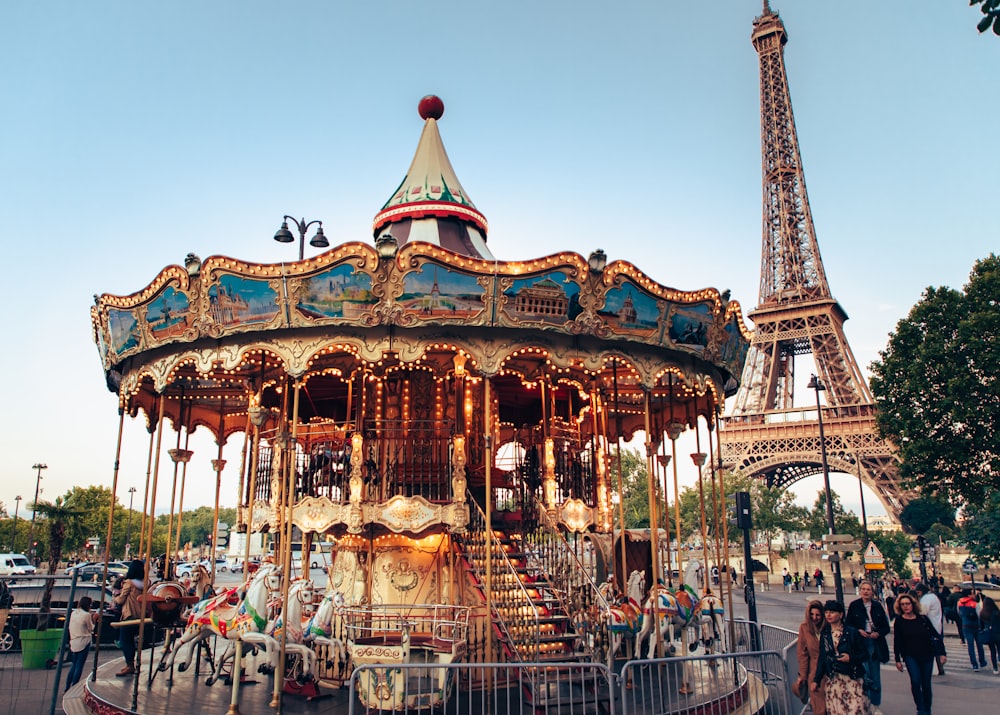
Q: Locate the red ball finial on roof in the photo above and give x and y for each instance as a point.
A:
(431, 107)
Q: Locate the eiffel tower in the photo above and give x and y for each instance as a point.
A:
(766, 436)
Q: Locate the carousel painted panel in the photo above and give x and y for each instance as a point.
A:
(123, 330)
(630, 311)
(236, 302)
(438, 294)
(340, 294)
(551, 298)
(168, 316)
(688, 326)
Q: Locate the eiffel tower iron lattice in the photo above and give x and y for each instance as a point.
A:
(766, 436)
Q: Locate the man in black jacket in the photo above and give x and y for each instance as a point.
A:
(868, 616)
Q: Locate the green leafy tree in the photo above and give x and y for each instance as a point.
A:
(895, 547)
(774, 510)
(982, 530)
(938, 533)
(60, 515)
(922, 513)
(991, 15)
(937, 389)
(843, 522)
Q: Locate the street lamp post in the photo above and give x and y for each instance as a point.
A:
(38, 483)
(283, 235)
(128, 527)
(816, 384)
(13, 535)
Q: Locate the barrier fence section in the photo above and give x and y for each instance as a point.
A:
(746, 682)
(472, 689)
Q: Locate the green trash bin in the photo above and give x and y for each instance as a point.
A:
(40, 647)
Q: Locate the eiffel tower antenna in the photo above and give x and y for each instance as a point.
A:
(767, 435)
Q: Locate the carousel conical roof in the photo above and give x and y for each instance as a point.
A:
(430, 203)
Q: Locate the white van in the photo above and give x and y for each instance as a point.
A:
(15, 565)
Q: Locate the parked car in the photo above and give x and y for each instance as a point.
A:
(28, 600)
(93, 570)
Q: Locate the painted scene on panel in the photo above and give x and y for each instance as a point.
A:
(435, 291)
(341, 292)
(628, 309)
(689, 324)
(167, 315)
(241, 301)
(550, 298)
(124, 330)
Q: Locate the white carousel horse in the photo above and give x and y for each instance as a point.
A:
(319, 629)
(217, 616)
(668, 610)
(300, 595)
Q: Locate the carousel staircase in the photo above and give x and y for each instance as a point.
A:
(531, 616)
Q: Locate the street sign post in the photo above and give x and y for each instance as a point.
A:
(969, 566)
(873, 559)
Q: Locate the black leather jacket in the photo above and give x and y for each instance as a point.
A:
(851, 643)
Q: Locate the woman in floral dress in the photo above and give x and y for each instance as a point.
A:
(841, 666)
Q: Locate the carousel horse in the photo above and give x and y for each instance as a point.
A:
(319, 629)
(291, 621)
(712, 617)
(218, 616)
(625, 618)
(668, 610)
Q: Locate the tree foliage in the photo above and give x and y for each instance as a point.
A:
(920, 514)
(937, 389)
(982, 530)
(895, 547)
(844, 522)
(991, 15)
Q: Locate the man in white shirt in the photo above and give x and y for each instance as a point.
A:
(930, 605)
(81, 632)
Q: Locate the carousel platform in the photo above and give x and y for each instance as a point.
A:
(111, 695)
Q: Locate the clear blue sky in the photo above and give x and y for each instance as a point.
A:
(134, 133)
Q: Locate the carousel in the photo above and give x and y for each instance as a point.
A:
(452, 424)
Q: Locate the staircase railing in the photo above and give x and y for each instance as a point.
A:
(572, 583)
(510, 605)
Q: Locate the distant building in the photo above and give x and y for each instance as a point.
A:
(883, 523)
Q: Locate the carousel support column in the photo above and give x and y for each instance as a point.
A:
(111, 521)
(279, 677)
(549, 474)
(654, 538)
(143, 600)
(180, 504)
(725, 529)
(488, 509)
(621, 505)
(234, 698)
(241, 483)
(699, 458)
(662, 462)
(168, 559)
(257, 417)
(151, 428)
(674, 431)
(597, 462)
(217, 466)
(179, 457)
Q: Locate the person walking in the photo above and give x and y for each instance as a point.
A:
(913, 644)
(81, 633)
(807, 651)
(841, 664)
(989, 623)
(930, 606)
(868, 617)
(951, 612)
(968, 616)
(818, 578)
(131, 610)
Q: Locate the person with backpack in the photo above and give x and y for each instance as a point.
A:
(968, 614)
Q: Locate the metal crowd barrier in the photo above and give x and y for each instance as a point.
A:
(752, 682)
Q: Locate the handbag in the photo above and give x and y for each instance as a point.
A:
(937, 641)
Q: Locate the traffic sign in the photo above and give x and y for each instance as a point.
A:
(969, 566)
(873, 558)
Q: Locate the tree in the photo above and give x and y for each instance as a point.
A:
(922, 513)
(991, 15)
(774, 510)
(937, 389)
(982, 530)
(895, 547)
(843, 522)
(59, 514)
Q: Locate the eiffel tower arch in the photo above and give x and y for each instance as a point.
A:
(767, 435)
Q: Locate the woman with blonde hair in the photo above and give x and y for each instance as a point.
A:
(808, 654)
(914, 646)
